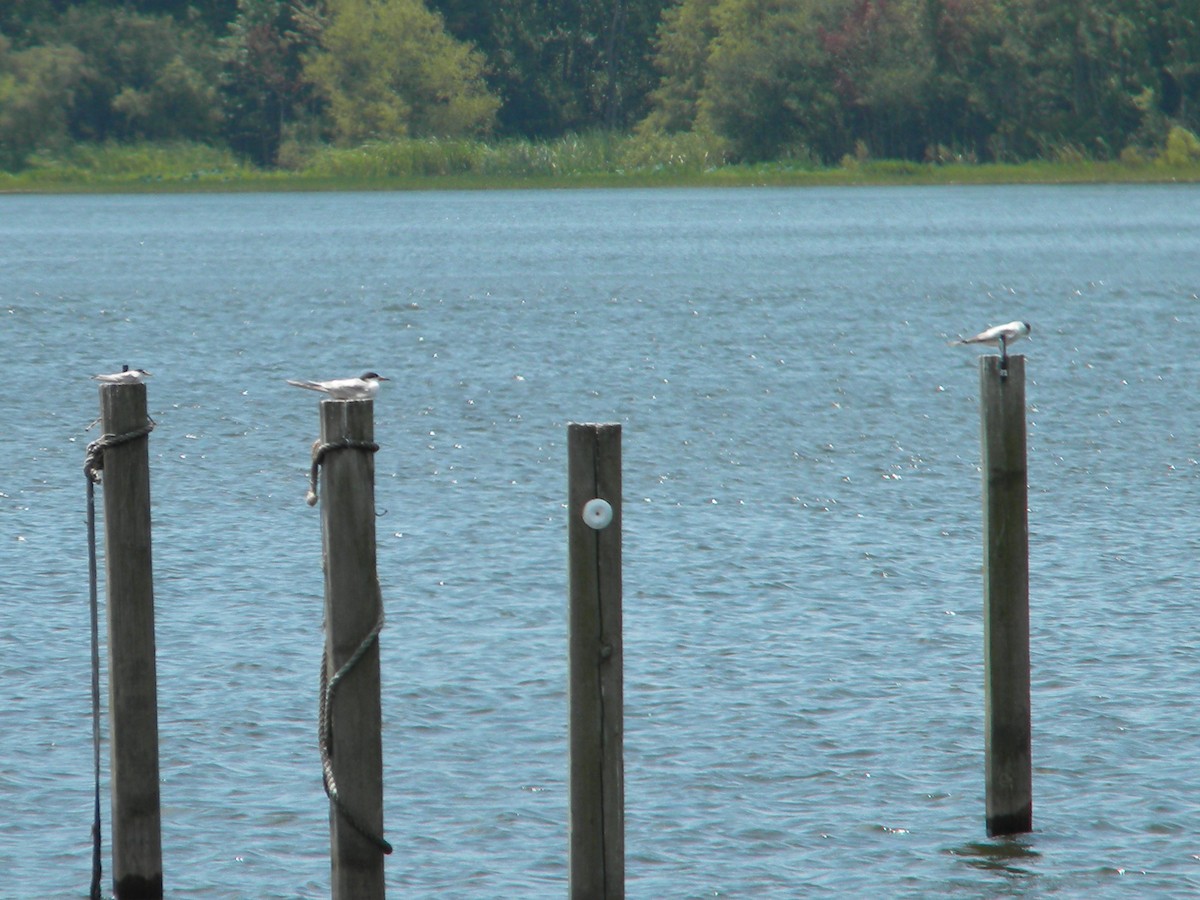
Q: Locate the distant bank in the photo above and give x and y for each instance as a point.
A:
(595, 161)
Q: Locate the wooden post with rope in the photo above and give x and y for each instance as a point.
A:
(351, 719)
(596, 692)
(1007, 707)
(133, 689)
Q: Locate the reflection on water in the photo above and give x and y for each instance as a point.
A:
(1013, 856)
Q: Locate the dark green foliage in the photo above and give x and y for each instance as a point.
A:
(213, 13)
(388, 69)
(802, 80)
(562, 65)
(146, 77)
(16, 16)
(768, 87)
(262, 82)
(37, 86)
(929, 79)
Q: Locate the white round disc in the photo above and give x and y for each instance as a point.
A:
(597, 513)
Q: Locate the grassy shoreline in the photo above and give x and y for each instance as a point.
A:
(576, 162)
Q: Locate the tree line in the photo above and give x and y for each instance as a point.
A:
(812, 80)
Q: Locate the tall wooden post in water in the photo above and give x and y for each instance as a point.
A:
(596, 692)
(353, 615)
(1007, 728)
(133, 688)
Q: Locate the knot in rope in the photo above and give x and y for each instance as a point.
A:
(93, 462)
(329, 686)
(319, 451)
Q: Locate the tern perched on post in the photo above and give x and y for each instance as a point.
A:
(362, 388)
(998, 336)
(129, 376)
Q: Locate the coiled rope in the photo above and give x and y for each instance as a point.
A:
(319, 452)
(325, 733)
(93, 463)
(329, 684)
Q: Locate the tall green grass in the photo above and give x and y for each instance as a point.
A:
(571, 156)
(394, 159)
(574, 160)
(146, 161)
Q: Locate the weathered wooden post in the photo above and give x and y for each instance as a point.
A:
(351, 718)
(1007, 728)
(133, 689)
(596, 693)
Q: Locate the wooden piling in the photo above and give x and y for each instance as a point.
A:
(353, 607)
(133, 690)
(596, 698)
(1007, 728)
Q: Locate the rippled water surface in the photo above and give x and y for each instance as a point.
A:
(802, 531)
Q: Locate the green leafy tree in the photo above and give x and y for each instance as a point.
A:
(1065, 76)
(145, 77)
(958, 117)
(769, 85)
(562, 65)
(1001, 79)
(882, 62)
(1170, 30)
(1182, 147)
(682, 48)
(36, 88)
(388, 69)
(262, 82)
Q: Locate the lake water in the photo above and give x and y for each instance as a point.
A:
(803, 632)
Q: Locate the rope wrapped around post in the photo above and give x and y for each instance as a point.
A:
(319, 451)
(325, 731)
(93, 461)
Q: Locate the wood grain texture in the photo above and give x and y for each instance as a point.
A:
(1007, 726)
(595, 668)
(133, 687)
